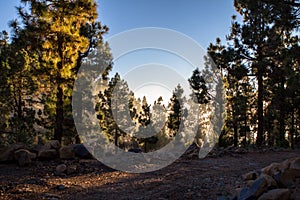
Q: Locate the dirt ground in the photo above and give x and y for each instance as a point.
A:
(206, 178)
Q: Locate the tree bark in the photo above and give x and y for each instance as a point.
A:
(59, 114)
(260, 115)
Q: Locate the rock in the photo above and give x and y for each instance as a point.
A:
(67, 152)
(287, 178)
(285, 165)
(71, 169)
(61, 169)
(7, 153)
(258, 187)
(270, 181)
(36, 148)
(54, 144)
(24, 157)
(272, 169)
(250, 176)
(295, 164)
(276, 194)
(249, 183)
(82, 152)
(245, 194)
(47, 154)
(60, 187)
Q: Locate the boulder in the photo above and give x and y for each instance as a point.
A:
(67, 152)
(276, 194)
(47, 154)
(24, 157)
(258, 187)
(287, 178)
(272, 169)
(272, 184)
(7, 153)
(82, 152)
(295, 164)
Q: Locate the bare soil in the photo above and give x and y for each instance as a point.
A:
(205, 178)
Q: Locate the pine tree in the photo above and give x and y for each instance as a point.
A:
(19, 85)
(115, 110)
(251, 43)
(175, 111)
(63, 32)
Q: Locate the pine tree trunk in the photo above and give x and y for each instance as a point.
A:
(59, 114)
(282, 113)
(235, 136)
(260, 117)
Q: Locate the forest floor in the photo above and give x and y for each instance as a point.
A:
(205, 178)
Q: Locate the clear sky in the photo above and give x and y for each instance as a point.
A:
(202, 20)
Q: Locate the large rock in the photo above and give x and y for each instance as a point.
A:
(24, 157)
(67, 152)
(272, 169)
(276, 168)
(82, 152)
(276, 194)
(295, 164)
(258, 187)
(47, 154)
(286, 178)
(7, 153)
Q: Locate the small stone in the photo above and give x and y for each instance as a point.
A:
(61, 168)
(60, 187)
(276, 194)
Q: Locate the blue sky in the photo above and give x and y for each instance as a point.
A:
(202, 20)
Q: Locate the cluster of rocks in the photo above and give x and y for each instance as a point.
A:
(278, 181)
(24, 156)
